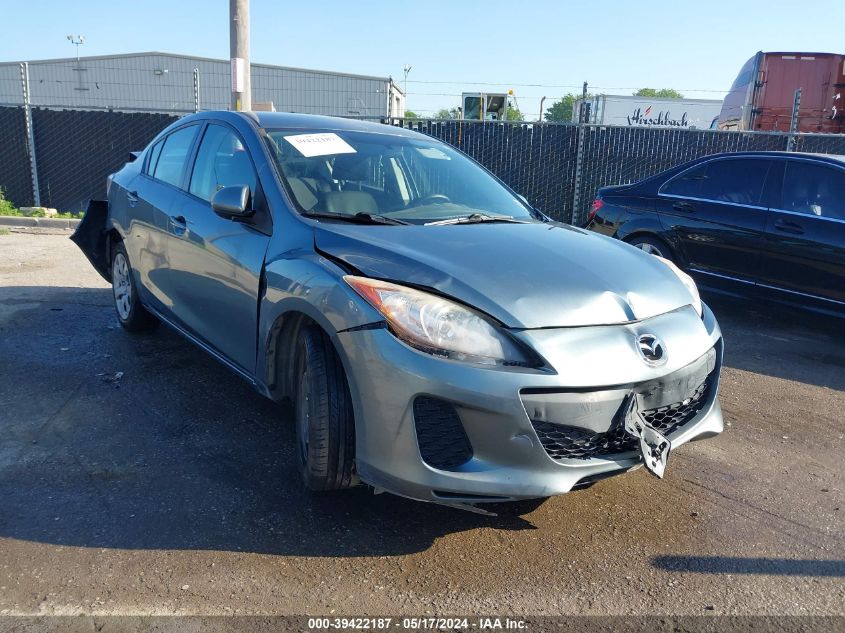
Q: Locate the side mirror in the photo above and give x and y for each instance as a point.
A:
(232, 202)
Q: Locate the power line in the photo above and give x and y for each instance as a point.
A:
(522, 96)
(522, 85)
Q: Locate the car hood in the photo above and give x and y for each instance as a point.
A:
(524, 275)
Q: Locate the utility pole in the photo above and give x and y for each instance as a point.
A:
(583, 109)
(793, 122)
(30, 135)
(239, 54)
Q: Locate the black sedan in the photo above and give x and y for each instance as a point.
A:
(760, 224)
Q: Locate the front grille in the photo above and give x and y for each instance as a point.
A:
(441, 437)
(572, 442)
(670, 418)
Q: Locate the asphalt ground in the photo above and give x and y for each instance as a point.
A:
(138, 476)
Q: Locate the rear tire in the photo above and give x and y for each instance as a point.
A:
(131, 314)
(652, 246)
(325, 427)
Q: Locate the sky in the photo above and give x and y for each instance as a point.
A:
(539, 48)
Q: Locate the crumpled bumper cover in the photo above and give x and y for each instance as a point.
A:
(593, 369)
(91, 237)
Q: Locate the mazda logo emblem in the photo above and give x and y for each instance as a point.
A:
(652, 349)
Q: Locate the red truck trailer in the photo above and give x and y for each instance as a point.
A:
(762, 96)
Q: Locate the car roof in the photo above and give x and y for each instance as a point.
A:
(833, 158)
(294, 121)
(290, 120)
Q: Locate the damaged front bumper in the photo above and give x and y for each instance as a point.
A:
(454, 433)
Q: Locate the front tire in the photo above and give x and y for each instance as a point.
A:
(131, 314)
(325, 427)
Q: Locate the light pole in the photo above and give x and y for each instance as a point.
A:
(78, 40)
(406, 70)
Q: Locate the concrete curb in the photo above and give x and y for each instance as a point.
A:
(44, 223)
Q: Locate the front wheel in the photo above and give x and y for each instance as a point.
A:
(325, 427)
(131, 314)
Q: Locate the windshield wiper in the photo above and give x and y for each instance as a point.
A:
(476, 218)
(356, 218)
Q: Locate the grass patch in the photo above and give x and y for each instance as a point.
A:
(8, 209)
(4, 231)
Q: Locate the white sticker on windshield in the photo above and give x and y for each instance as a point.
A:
(322, 144)
(433, 153)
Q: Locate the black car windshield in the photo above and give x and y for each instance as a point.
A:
(338, 173)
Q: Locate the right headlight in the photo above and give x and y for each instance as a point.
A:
(438, 326)
(688, 282)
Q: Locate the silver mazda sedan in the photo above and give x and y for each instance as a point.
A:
(438, 337)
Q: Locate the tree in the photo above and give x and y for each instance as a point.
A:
(513, 114)
(561, 111)
(667, 93)
(447, 113)
(410, 114)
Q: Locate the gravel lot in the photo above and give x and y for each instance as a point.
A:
(172, 489)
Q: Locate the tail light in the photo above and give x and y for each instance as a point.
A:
(598, 203)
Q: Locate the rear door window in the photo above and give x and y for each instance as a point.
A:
(814, 189)
(170, 166)
(738, 181)
(222, 161)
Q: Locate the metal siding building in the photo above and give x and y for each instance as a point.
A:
(163, 82)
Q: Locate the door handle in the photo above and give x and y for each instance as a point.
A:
(132, 198)
(789, 227)
(683, 206)
(178, 223)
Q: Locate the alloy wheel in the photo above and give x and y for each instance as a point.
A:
(651, 249)
(122, 286)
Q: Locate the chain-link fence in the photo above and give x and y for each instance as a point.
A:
(15, 172)
(621, 155)
(557, 167)
(76, 150)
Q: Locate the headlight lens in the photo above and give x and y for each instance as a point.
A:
(689, 283)
(438, 326)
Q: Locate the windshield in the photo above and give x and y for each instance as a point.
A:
(409, 180)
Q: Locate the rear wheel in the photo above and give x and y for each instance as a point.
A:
(325, 428)
(131, 314)
(652, 246)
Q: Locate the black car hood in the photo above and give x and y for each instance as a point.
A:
(524, 275)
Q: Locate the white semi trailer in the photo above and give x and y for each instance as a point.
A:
(699, 114)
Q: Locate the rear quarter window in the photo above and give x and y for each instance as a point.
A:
(154, 154)
(687, 185)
